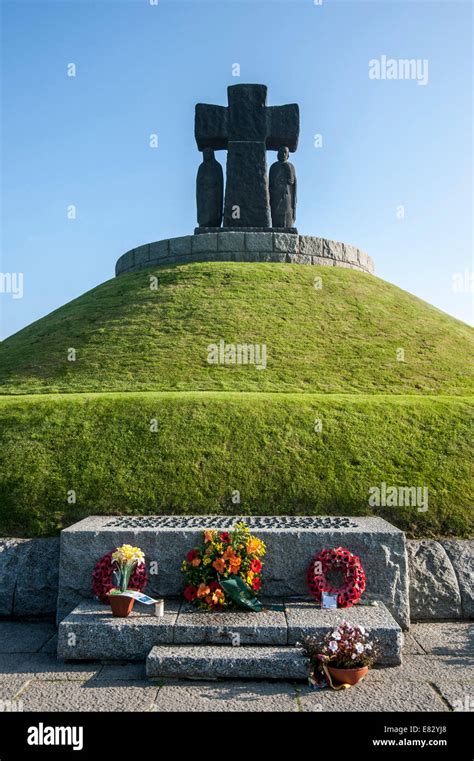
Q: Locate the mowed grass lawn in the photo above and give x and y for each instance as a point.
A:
(346, 336)
(388, 376)
(209, 445)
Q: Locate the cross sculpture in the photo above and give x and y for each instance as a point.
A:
(246, 128)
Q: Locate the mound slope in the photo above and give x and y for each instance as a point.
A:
(343, 337)
(333, 351)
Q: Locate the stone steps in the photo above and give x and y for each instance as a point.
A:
(226, 662)
(90, 632)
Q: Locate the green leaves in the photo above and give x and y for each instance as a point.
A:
(239, 592)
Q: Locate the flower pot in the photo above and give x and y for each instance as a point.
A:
(347, 676)
(121, 605)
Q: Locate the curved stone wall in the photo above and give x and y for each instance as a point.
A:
(244, 247)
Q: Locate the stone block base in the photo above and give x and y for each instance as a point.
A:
(292, 542)
(206, 662)
(244, 245)
(203, 230)
(90, 632)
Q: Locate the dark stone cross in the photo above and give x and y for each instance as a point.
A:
(247, 128)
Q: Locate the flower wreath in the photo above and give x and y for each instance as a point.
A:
(102, 577)
(338, 559)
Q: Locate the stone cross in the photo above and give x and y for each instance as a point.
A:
(247, 128)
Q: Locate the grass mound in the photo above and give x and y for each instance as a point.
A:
(386, 375)
(344, 337)
(205, 447)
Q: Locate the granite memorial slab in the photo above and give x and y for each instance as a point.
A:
(291, 542)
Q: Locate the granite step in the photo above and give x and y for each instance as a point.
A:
(306, 619)
(226, 662)
(232, 627)
(90, 632)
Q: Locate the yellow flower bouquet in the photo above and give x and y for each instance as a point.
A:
(126, 559)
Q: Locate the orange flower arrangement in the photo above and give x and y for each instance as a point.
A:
(222, 555)
(219, 565)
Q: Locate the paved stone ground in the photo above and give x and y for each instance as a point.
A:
(437, 674)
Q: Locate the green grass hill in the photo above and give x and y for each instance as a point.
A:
(364, 384)
(341, 338)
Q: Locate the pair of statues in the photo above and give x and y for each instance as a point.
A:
(281, 182)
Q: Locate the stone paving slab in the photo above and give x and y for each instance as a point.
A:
(90, 696)
(18, 637)
(445, 638)
(254, 697)
(419, 668)
(370, 695)
(51, 645)
(45, 666)
(458, 695)
(241, 627)
(304, 618)
(10, 686)
(91, 632)
(424, 682)
(209, 662)
(411, 646)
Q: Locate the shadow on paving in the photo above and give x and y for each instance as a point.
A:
(445, 638)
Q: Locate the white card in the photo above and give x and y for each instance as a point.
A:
(328, 601)
(140, 597)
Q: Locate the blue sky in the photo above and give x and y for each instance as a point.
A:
(140, 69)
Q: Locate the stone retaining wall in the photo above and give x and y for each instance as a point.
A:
(441, 578)
(244, 247)
(29, 575)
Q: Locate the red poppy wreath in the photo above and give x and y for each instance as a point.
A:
(103, 577)
(338, 559)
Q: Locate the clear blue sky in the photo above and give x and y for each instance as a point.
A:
(140, 70)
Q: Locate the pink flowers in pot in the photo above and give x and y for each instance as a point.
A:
(348, 647)
(345, 647)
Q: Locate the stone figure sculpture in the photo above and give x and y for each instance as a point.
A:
(209, 191)
(247, 128)
(282, 183)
